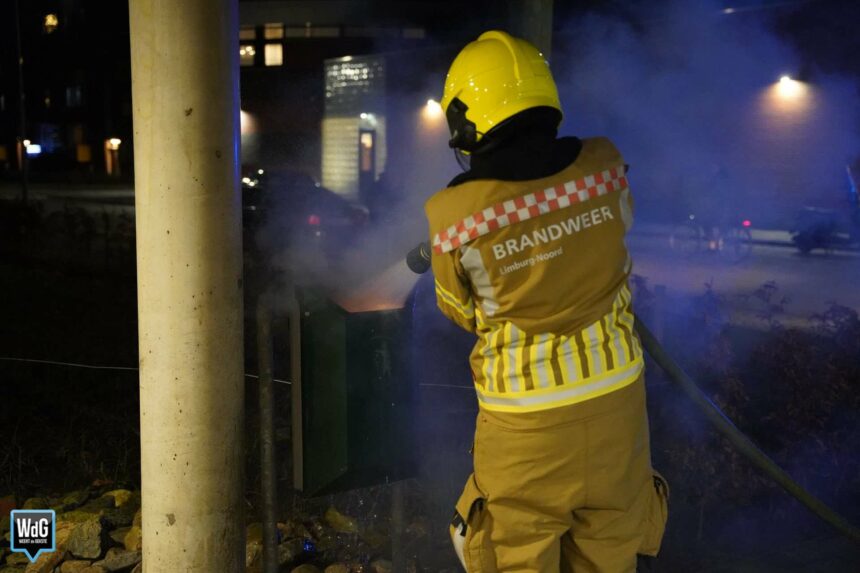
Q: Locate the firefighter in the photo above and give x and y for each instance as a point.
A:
(528, 253)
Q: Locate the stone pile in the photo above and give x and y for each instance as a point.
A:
(98, 530)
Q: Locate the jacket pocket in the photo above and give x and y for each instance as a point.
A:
(656, 516)
(470, 530)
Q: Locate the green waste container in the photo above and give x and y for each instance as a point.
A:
(356, 398)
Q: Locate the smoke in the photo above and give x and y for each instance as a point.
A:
(692, 97)
(366, 269)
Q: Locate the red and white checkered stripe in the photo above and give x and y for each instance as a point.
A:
(528, 206)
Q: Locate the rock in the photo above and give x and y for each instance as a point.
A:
(254, 532)
(118, 535)
(134, 538)
(5, 522)
(17, 558)
(118, 559)
(290, 551)
(337, 568)
(10, 569)
(90, 509)
(35, 503)
(98, 504)
(119, 516)
(63, 531)
(138, 568)
(75, 499)
(7, 504)
(374, 538)
(122, 497)
(77, 516)
(87, 540)
(340, 522)
(381, 566)
(138, 518)
(293, 528)
(74, 566)
(305, 569)
(94, 569)
(46, 562)
(253, 555)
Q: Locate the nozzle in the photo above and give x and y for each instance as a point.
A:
(418, 259)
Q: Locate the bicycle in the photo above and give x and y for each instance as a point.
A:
(733, 243)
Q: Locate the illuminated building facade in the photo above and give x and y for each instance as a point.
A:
(353, 128)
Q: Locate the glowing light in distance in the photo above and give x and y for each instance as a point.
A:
(113, 143)
(50, 23)
(729, 11)
(34, 149)
(431, 113)
(314, 220)
(260, 171)
(790, 88)
(247, 123)
(746, 223)
(433, 109)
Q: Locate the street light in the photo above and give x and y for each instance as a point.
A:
(32, 148)
(433, 110)
(112, 165)
(790, 88)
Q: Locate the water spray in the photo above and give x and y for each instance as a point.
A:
(418, 260)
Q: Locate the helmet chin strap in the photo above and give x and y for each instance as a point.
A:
(462, 159)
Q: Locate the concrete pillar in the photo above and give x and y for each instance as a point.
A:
(185, 88)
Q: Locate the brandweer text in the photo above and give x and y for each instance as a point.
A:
(552, 232)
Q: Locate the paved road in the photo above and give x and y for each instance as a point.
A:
(810, 282)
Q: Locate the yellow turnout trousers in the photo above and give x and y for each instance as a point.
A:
(569, 489)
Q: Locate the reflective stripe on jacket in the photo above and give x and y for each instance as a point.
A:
(538, 270)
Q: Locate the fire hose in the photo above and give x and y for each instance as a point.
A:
(418, 261)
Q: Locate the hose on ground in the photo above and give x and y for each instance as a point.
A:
(743, 444)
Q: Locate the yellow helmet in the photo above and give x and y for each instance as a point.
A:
(492, 79)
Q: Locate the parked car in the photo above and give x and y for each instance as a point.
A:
(286, 210)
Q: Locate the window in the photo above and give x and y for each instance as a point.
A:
(246, 54)
(74, 96)
(312, 32)
(325, 32)
(366, 141)
(274, 55)
(50, 23)
(247, 33)
(273, 31)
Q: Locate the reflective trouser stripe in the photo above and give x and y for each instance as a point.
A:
(562, 394)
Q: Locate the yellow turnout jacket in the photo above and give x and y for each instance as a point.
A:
(538, 270)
